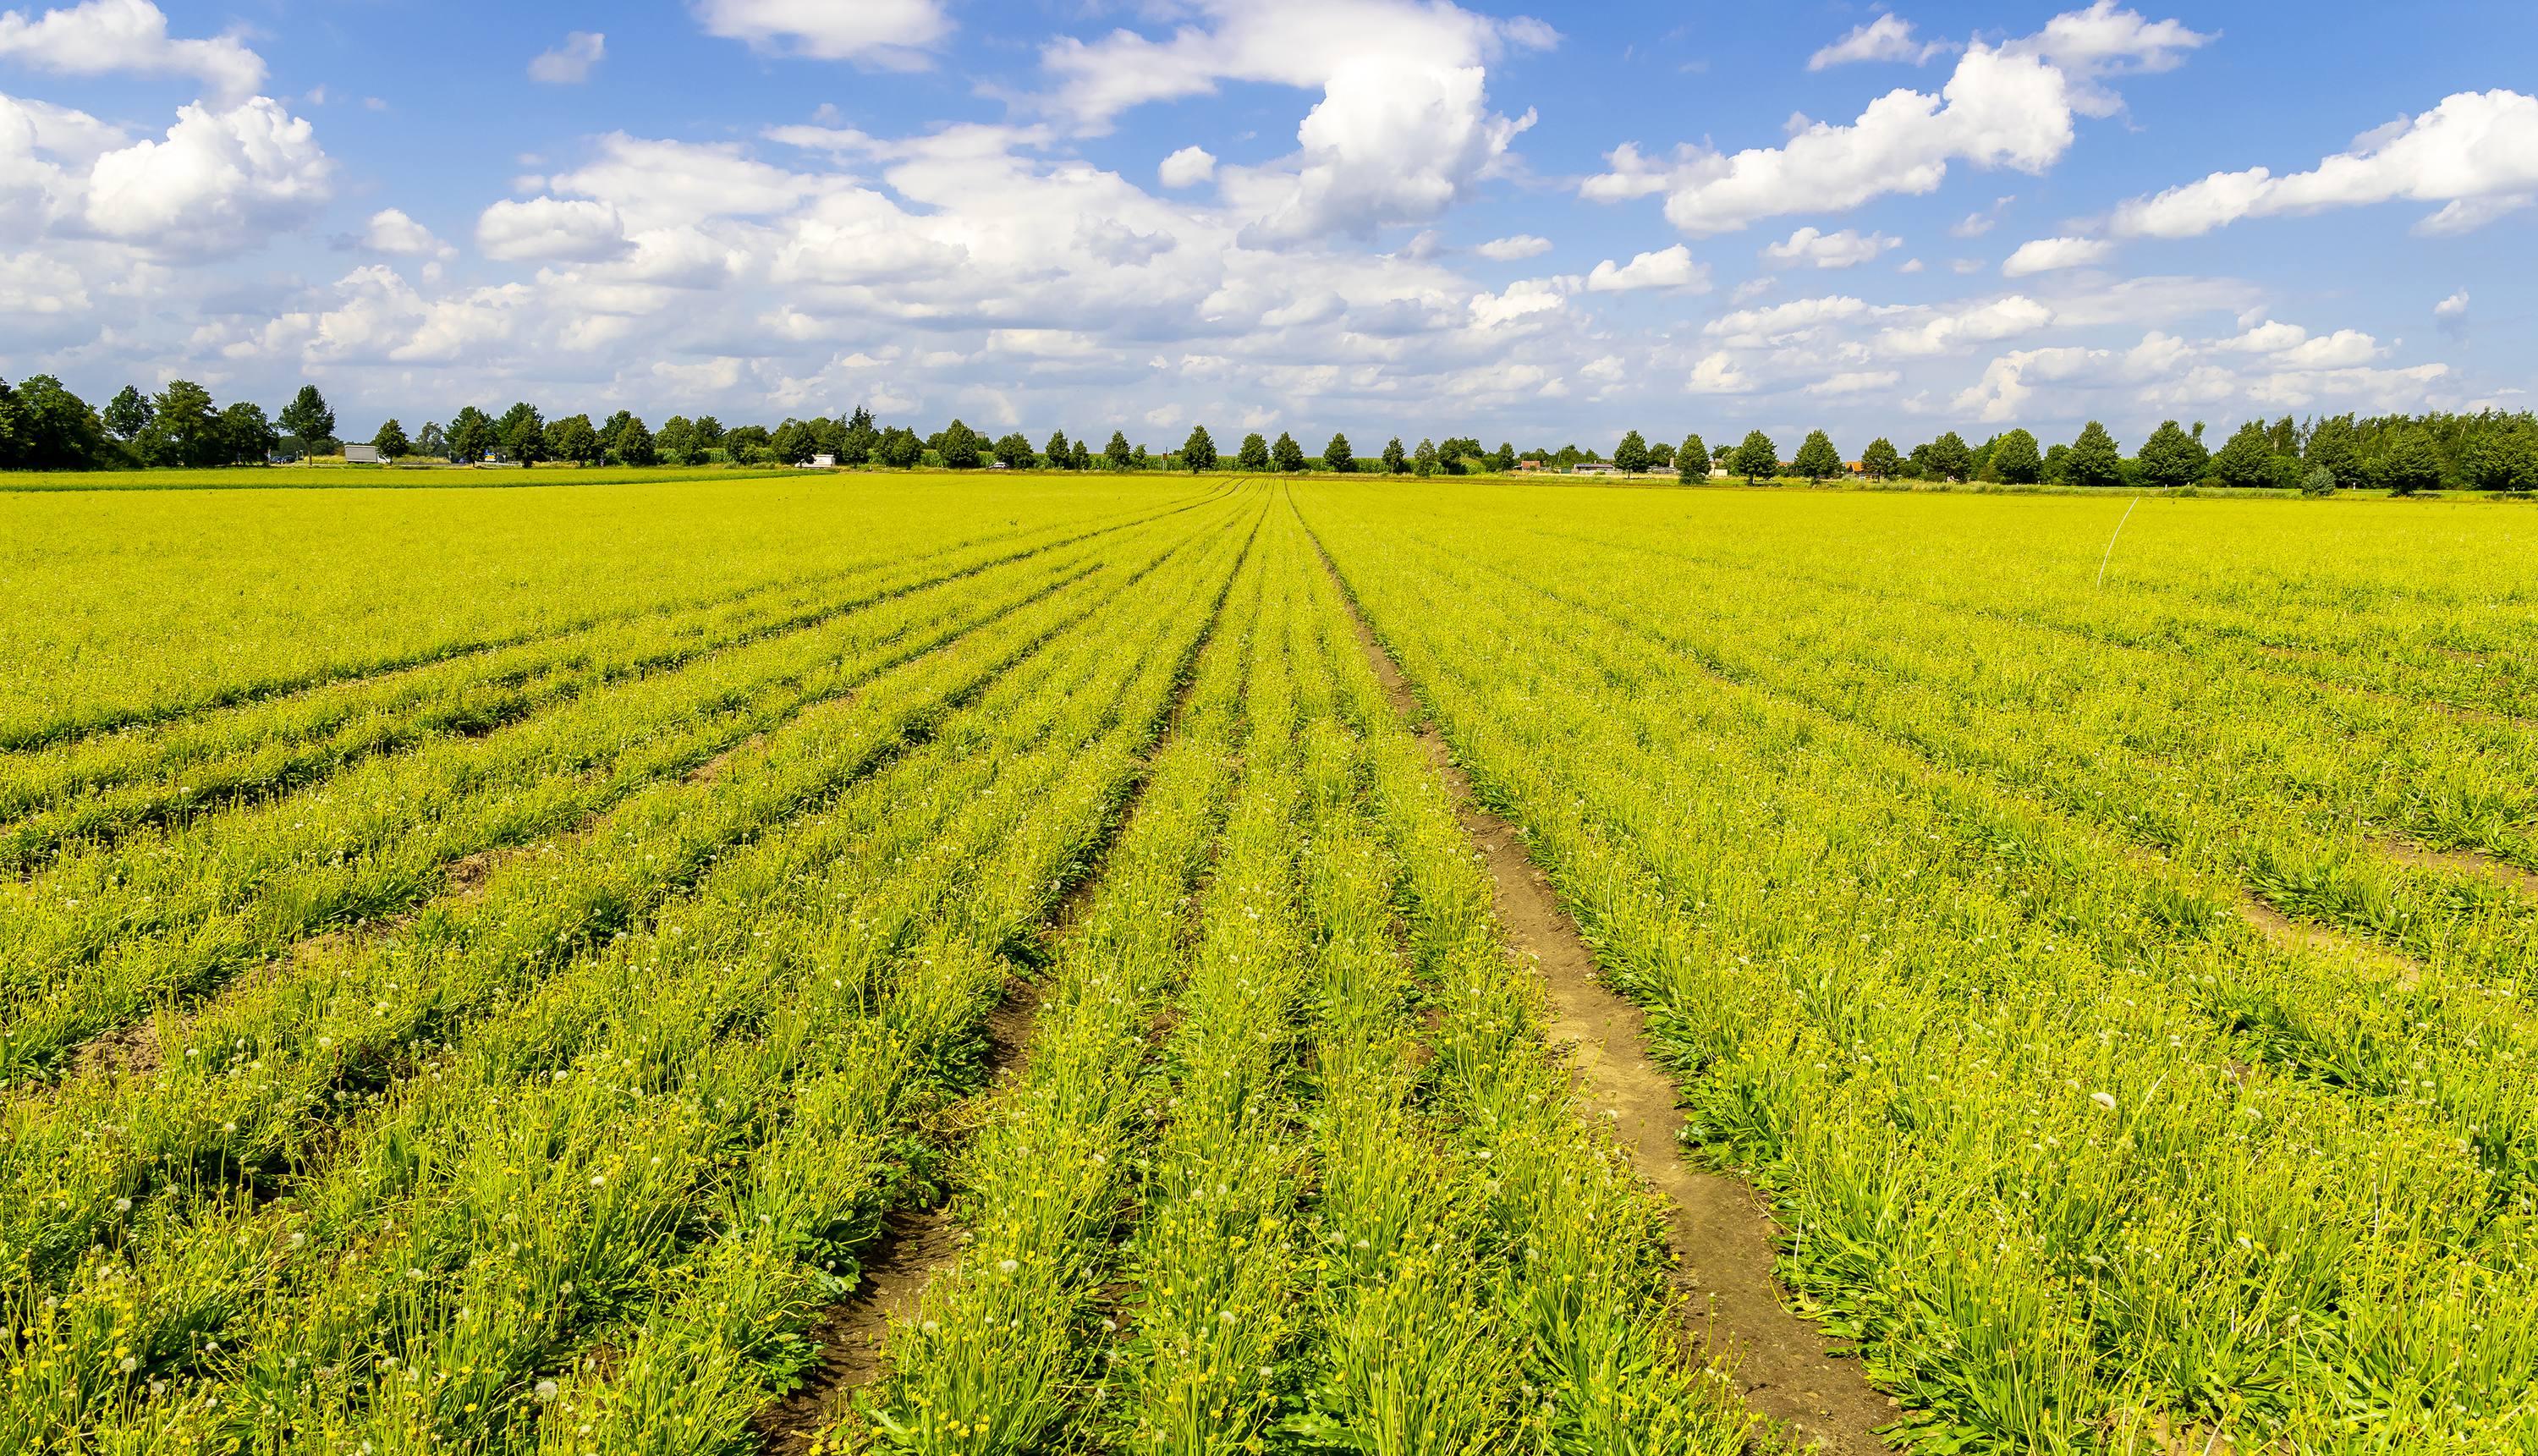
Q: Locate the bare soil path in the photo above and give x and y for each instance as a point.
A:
(1722, 1234)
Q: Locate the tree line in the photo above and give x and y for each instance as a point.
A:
(44, 426)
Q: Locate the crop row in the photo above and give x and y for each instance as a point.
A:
(535, 1184)
(91, 791)
(2067, 1149)
(178, 914)
(1243, 1190)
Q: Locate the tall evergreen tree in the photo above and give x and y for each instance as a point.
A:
(1117, 451)
(1198, 453)
(1757, 458)
(2172, 457)
(1816, 458)
(1337, 456)
(2507, 462)
(2093, 459)
(2014, 458)
(1286, 454)
(1631, 454)
(2335, 444)
(1254, 454)
(1060, 454)
(1880, 459)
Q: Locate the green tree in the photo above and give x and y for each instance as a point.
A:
(705, 432)
(1691, 458)
(391, 443)
(54, 428)
(522, 433)
(187, 421)
(2320, 481)
(2093, 459)
(1631, 454)
(898, 447)
(1286, 454)
(793, 442)
(1878, 460)
(308, 417)
(2172, 457)
(243, 435)
(1455, 455)
(2014, 458)
(626, 440)
(1013, 449)
(1816, 458)
(677, 438)
(1198, 453)
(1060, 454)
(1254, 454)
(959, 445)
(1757, 458)
(1395, 458)
(1422, 460)
(129, 414)
(2409, 463)
(572, 438)
(1947, 457)
(1082, 456)
(430, 441)
(1505, 460)
(1117, 451)
(2336, 443)
(2246, 458)
(1137, 458)
(2505, 462)
(471, 435)
(1337, 456)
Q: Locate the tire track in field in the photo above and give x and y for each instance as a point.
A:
(918, 1243)
(1722, 1234)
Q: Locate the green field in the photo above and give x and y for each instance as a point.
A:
(506, 971)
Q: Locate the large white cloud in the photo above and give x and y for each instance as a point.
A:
(100, 37)
(2009, 105)
(1667, 268)
(1403, 131)
(893, 35)
(219, 182)
(2477, 150)
(546, 228)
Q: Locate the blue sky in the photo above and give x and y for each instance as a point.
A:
(1360, 215)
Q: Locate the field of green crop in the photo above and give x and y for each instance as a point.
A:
(511, 972)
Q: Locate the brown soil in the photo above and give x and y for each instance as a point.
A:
(1722, 1234)
(913, 1244)
(2464, 862)
(2295, 934)
(711, 769)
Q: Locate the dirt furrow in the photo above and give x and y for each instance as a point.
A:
(1722, 1234)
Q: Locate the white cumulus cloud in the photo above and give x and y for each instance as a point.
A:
(100, 37)
(393, 233)
(1889, 37)
(1810, 248)
(1187, 166)
(2477, 150)
(569, 64)
(2044, 254)
(2009, 105)
(893, 35)
(1510, 250)
(2453, 306)
(220, 182)
(1403, 131)
(1669, 268)
(545, 228)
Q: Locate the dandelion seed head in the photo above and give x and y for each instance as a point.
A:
(2104, 1099)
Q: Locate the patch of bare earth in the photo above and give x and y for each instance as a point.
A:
(2299, 935)
(1722, 1234)
(2465, 862)
(914, 1244)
